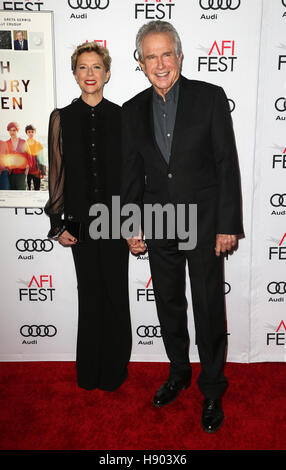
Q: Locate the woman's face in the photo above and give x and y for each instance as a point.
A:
(90, 73)
(13, 132)
(30, 133)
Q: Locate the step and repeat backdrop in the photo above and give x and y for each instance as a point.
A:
(237, 44)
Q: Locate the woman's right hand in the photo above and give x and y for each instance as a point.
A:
(66, 239)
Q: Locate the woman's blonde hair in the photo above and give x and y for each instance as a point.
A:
(91, 47)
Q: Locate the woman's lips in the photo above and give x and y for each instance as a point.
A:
(90, 82)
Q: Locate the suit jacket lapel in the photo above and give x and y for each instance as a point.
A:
(185, 111)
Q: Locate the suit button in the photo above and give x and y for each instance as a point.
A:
(170, 175)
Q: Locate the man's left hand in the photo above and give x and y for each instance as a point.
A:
(224, 243)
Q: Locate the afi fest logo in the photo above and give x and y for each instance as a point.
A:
(39, 288)
(28, 211)
(279, 159)
(278, 252)
(146, 293)
(219, 4)
(21, 6)
(220, 57)
(282, 58)
(154, 10)
(278, 336)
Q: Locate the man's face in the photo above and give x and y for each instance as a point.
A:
(160, 63)
(19, 37)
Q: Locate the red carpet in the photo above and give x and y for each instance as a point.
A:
(43, 409)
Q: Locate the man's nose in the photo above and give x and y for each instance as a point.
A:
(160, 63)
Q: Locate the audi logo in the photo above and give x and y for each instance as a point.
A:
(220, 4)
(149, 331)
(34, 245)
(227, 288)
(231, 105)
(277, 287)
(278, 200)
(280, 104)
(91, 4)
(38, 330)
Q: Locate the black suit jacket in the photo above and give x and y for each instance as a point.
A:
(17, 46)
(203, 167)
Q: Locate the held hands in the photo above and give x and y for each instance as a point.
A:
(136, 244)
(224, 243)
(66, 239)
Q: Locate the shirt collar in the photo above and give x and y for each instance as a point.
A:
(172, 94)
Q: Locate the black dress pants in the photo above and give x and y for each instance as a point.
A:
(104, 330)
(168, 270)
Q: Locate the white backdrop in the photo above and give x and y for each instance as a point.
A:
(238, 44)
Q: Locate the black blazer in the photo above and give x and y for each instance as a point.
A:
(203, 167)
(17, 46)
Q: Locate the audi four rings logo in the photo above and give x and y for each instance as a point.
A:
(277, 287)
(91, 4)
(227, 288)
(278, 200)
(38, 330)
(34, 245)
(280, 104)
(220, 4)
(149, 331)
(231, 105)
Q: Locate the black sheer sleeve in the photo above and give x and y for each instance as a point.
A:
(54, 208)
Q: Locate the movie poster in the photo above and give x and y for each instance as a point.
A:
(27, 98)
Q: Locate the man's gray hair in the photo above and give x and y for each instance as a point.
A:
(157, 27)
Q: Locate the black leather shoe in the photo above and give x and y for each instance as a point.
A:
(212, 417)
(169, 391)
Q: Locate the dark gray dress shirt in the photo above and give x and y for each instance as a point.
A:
(164, 115)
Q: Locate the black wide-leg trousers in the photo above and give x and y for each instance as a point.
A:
(104, 328)
(168, 270)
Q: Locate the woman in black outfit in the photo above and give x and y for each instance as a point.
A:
(84, 169)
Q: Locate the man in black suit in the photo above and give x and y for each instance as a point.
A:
(20, 44)
(179, 148)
